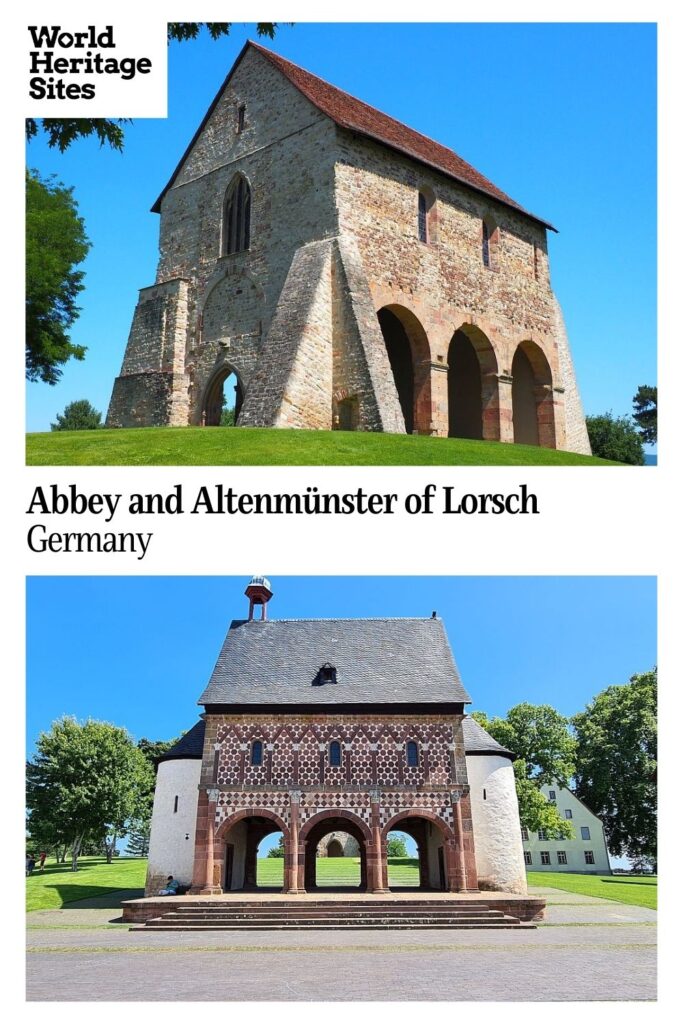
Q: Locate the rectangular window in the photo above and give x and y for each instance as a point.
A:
(175, 805)
(552, 796)
(585, 832)
(561, 857)
(240, 118)
(216, 759)
(542, 835)
(484, 794)
(545, 857)
(567, 814)
(588, 854)
(525, 835)
(527, 857)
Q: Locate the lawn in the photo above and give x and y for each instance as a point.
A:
(58, 885)
(335, 871)
(242, 446)
(639, 891)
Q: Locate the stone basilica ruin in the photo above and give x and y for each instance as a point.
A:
(347, 273)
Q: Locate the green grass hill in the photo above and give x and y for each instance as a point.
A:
(242, 446)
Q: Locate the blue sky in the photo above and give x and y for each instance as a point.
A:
(562, 117)
(138, 651)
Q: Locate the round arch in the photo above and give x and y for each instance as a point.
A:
(435, 846)
(237, 841)
(417, 812)
(212, 399)
(533, 412)
(409, 355)
(331, 814)
(252, 812)
(333, 820)
(473, 399)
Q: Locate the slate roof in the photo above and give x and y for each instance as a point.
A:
(357, 116)
(191, 745)
(377, 661)
(478, 741)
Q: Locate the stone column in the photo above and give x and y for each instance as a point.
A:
(545, 415)
(376, 866)
(490, 407)
(457, 881)
(471, 877)
(507, 432)
(439, 385)
(292, 852)
(210, 887)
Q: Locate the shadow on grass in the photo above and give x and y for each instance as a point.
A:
(627, 880)
(77, 897)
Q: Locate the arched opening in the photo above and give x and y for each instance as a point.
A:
(334, 871)
(403, 862)
(533, 415)
(472, 386)
(408, 351)
(335, 848)
(223, 399)
(433, 845)
(246, 845)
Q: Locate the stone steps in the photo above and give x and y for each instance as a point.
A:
(340, 916)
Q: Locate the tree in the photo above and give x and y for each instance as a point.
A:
(616, 764)
(138, 838)
(61, 132)
(645, 413)
(228, 416)
(42, 835)
(80, 415)
(396, 846)
(616, 438)
(86, 781)
(539, 736)
(279, 850)
(56, 244)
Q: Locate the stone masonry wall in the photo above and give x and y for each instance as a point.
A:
(444, 282)
(287, 155)
(296, 752)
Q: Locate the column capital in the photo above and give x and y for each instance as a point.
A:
(295, 796)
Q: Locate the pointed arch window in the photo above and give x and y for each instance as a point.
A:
(412, 754)
(237, 216)
(335, 754)
(257, 752)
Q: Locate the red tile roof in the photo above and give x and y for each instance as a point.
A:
(356, 116)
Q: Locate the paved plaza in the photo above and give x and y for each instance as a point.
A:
(587, 949)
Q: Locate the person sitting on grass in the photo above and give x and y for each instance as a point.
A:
(171, 888)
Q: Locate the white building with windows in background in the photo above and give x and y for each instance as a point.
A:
(586, 852)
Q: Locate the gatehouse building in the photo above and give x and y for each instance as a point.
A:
(328, 730)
